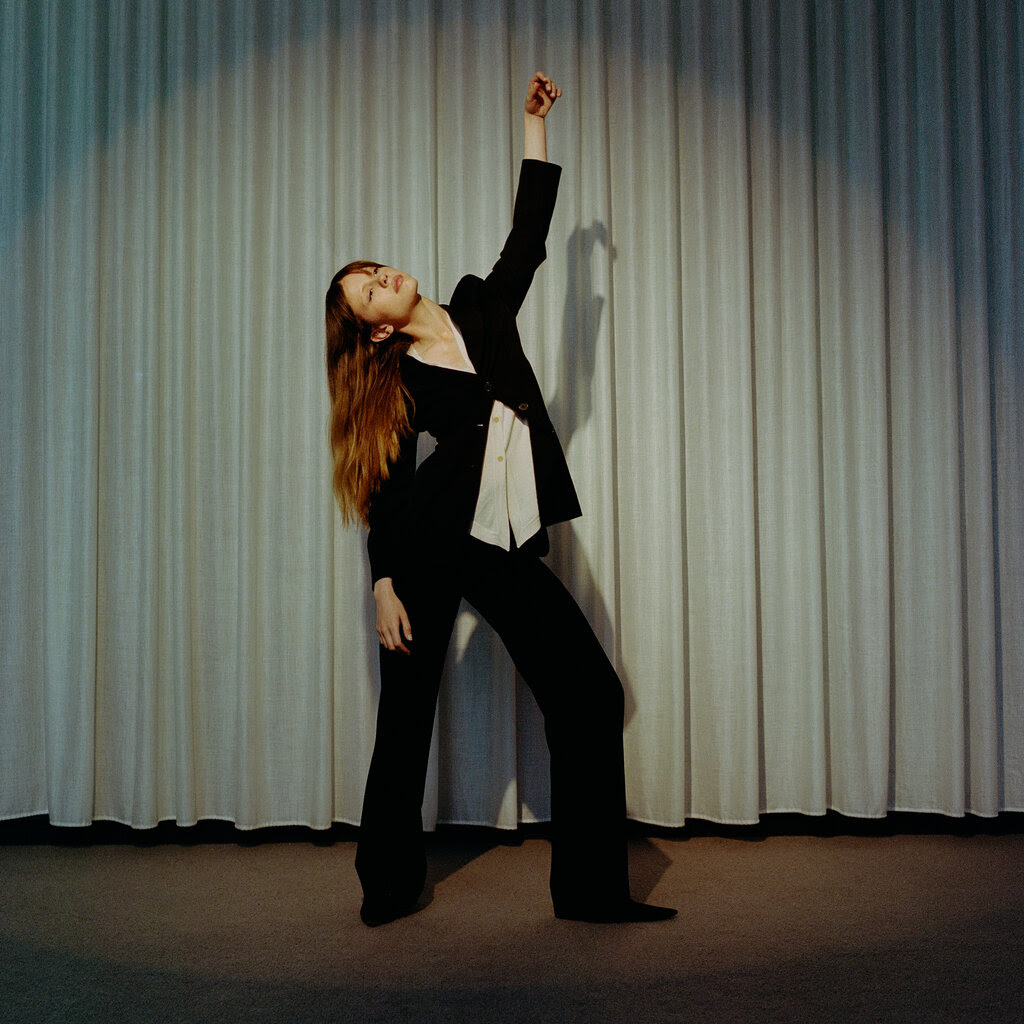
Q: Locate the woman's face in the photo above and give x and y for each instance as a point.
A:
(382, 297)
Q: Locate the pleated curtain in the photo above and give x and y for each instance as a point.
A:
(779, 330)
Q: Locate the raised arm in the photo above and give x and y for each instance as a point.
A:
(541, 94)
(523, 250)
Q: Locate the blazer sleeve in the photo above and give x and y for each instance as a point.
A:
(523, 251)
(390, 514)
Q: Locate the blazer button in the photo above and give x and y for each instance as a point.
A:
(488, 387)
(523, 406)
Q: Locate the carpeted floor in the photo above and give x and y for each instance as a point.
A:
(772, 927)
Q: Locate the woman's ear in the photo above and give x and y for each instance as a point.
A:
(381, 332)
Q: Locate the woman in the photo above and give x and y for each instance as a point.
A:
(470, 522)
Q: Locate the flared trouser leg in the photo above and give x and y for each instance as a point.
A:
(390, 857)
(582, 702)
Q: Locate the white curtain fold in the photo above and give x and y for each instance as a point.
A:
(778, 329)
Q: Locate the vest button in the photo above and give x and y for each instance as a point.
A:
(523, 406)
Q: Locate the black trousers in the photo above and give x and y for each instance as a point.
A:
(576, 688)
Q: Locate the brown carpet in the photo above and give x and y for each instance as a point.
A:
(772, 927)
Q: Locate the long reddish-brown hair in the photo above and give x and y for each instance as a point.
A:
(369, 405)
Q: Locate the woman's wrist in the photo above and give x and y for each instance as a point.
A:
(534, 137)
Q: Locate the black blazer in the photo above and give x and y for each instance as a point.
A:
(436, 502)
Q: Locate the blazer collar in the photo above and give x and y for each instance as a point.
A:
(469, 322)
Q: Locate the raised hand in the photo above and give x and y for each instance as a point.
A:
(541, 94)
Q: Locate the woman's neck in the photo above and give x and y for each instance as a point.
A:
(428, 326)
(433, 338)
